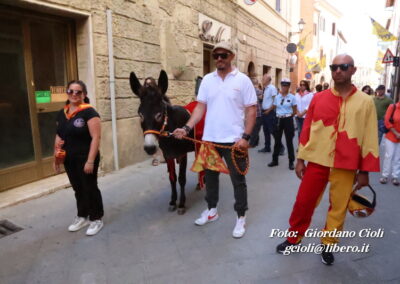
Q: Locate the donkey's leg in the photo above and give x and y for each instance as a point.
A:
(182, 183)
(172, 180)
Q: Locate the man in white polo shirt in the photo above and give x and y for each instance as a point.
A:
(230, 100)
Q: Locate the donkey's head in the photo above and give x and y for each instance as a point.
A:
(152, 109)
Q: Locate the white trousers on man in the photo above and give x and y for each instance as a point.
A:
(391, 162)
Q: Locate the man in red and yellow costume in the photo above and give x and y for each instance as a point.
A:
(339, 142)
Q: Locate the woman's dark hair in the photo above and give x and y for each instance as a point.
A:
(306, 83)
(152, 82)
(84, 89)
(318, 88)
(369, 89)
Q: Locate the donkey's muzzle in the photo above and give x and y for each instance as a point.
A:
(150, 149)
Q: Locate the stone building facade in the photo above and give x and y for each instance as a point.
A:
(147, 36)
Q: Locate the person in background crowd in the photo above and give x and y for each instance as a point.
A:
(382, 103)
(303, 100)
(389, 93)
(78, 136)
(230, 100)
(339, 149)
(368, 90)
(391, 162)
(255, 137)
(269, 114)
(326, 86)
(318, 88)
(285, 105)
(150, 81)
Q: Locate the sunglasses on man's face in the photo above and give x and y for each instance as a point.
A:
(343, 67)
(76, 92)
(222, 55)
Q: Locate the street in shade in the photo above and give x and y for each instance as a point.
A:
(143, 242)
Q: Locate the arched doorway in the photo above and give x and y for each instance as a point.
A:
(251, 70)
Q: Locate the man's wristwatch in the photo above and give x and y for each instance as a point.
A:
(187, 128)
(246, 136)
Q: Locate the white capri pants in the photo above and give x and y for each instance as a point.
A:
(391, 162)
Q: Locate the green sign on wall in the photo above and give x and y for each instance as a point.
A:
(42, 97)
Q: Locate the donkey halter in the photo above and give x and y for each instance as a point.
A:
(162, 131)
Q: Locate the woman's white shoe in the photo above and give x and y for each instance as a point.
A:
(94, 227)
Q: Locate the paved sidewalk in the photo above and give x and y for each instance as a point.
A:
(144, 243)
(33, 190)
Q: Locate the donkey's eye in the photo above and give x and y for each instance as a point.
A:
(141, 117)
(158, 116)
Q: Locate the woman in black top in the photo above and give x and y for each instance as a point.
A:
(77, 140)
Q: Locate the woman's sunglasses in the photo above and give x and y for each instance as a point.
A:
(76, 92)
(222, 55)
(343, 67)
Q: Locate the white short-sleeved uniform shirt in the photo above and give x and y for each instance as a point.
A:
(226, 101)
(284, 104)
(270, 93)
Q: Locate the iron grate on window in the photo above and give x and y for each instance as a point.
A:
(8, 228)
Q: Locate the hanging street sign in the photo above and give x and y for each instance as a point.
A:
(291, 48)
(388, 57)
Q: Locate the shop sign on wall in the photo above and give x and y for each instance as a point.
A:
(58, 93)
(213, 31)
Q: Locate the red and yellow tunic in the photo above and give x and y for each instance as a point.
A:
(341, 133)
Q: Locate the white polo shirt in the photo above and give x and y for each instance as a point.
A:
(226, 101)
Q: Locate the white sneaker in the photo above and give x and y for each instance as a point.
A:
(207, 216)
(78, 223)
(239, 229)
(95, 227)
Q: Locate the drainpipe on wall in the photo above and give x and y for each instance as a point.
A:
(396, 82)
(112, 88)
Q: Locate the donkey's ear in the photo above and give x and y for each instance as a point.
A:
(135, 84)
(163, 82)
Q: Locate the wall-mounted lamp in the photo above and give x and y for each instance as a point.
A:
(301, 25)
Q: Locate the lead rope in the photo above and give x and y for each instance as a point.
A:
(236, 153)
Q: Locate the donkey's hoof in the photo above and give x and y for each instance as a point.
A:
(172, 208)
(181, 211)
